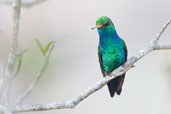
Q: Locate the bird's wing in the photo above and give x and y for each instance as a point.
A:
(101, 63)
(120, 79)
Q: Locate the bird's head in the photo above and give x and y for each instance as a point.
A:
(103, 24)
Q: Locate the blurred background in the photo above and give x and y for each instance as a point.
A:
(74, 62)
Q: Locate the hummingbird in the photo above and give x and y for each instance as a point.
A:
(112, 52)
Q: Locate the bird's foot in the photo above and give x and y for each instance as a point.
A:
(110, 75)
(133, 66)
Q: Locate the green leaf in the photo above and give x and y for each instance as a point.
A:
(40, 46)
(20, 58)
(45, 49)
(47, 46)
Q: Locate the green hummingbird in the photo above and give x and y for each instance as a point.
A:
(112, 52)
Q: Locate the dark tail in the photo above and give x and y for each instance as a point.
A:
(115, 85)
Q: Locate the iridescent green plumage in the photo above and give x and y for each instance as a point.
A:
(112, 52)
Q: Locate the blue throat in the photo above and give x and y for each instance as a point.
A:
(106, 35)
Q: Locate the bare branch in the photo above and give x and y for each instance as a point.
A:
(19, 63)
(30, 3)
(12, 60)
(162, 46)
(98, 85)
(25, 3)
(35, 81)
(156, 39)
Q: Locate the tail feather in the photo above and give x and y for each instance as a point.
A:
(115, 85)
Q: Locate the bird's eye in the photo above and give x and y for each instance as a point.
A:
(106, 24)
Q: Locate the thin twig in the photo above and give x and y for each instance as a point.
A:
(162, 46)
(156, 39)
(98, 85)
(35, 81)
